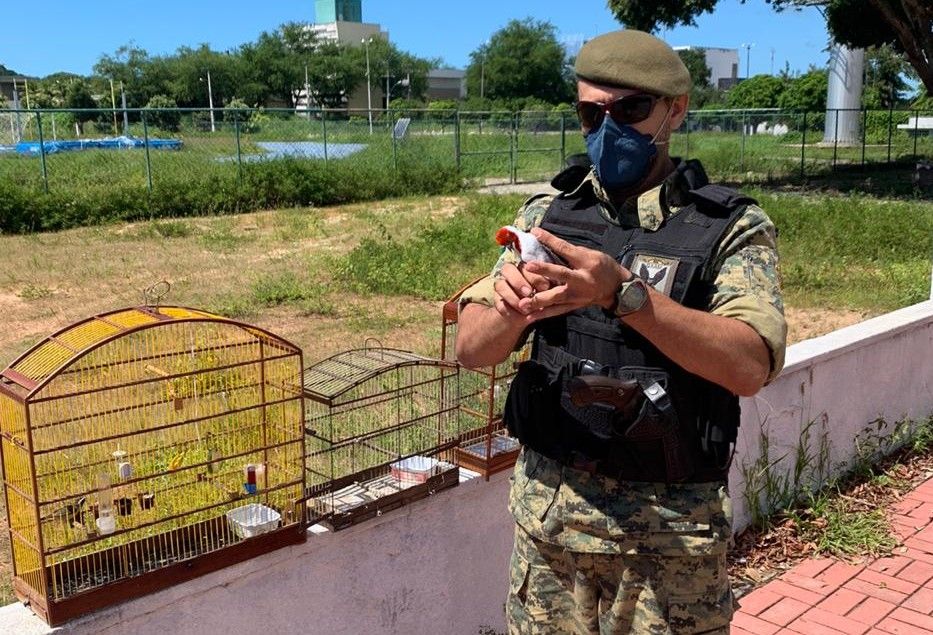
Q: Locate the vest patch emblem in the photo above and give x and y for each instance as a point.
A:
(657, 271)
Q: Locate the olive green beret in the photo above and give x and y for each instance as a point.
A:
(633, 59)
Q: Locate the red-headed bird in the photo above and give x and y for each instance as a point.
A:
(528, 248)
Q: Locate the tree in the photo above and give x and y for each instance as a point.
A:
(760, 91)
(164, 113)
(524, 59)
(128, 65)
(188, 70)
(806, 93)
(903, 24)
(52, 90)
(885, 70)
(408, 74)
(78, 98)
(271, 68)
(695, 61)
(333, 73)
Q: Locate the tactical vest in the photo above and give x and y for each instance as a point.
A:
(685, 428)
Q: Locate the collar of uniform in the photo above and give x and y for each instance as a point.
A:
(647, 210)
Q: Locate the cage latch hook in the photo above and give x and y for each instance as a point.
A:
(153, 295)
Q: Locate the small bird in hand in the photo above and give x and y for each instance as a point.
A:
(528, 248)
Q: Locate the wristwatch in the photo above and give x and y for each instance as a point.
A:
(631, 296)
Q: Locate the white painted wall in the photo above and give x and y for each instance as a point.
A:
(880, 368)
(440, 565)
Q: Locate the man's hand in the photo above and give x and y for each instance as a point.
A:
(591, 277)
(514, 285)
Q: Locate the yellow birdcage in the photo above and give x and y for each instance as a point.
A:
(485, 444)
(381, 426)
(147, 446)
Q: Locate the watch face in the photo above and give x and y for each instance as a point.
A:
(632, 296)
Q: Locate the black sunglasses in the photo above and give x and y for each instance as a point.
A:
(624, 110)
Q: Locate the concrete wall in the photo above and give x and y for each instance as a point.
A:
(878, 369)
(440, 565)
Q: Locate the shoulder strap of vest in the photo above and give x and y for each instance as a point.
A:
(705, 222)
(719, 199)
(570, 178)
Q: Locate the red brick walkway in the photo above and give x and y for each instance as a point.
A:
(889, 595)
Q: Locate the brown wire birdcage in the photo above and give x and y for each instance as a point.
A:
(381, 426)
(485, 445)
(144, 447)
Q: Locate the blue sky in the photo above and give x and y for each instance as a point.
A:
(61, 35)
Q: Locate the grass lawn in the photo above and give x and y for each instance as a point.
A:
(329, 278)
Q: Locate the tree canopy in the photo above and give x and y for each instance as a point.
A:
(270, 70)
(523, 59)
(901, 24)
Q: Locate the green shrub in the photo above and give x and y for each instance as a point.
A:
(162, 112)
(265, 184)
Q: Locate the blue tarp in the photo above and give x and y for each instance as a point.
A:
(52, 147)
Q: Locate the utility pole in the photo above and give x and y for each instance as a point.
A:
(16, 106)
(388, 89)
(369, 85)
(126, 118)
(210, 100)
(748, 54)
(113, 104)
(772, 60)
(307, 94)
(26, 81)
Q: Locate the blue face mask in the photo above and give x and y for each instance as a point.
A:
(620, 154)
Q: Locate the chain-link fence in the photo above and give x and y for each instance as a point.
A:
(59, 149)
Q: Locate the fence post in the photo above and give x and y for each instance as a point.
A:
(835, 137)
(890, 123)
(864, 133)
(803, 145)
(513, 141)
(239, 154)
(742, 154)
(687, 124)
(394, 145)
(916, 130)
(146, 146)
(324, 131)
(45, 172)
(457, 139)
(563, 140)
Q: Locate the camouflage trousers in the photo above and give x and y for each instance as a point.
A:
(555, 591)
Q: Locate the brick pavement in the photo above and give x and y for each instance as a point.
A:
(891, 595)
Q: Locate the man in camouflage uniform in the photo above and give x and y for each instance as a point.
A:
(593, 553)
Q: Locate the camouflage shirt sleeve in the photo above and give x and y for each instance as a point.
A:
(529, 216)
(747, 284)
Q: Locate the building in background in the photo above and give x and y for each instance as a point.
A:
(8, 83)
(723, 65)
(326, 11)
(446, 83)
(341, 22)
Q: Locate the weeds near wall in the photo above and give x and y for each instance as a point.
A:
(845, 515)
(768, 489)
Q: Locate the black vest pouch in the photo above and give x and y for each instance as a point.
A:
(532, 406)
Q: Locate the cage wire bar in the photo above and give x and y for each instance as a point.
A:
(381, 426)
(485, 445)
(144, 447)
